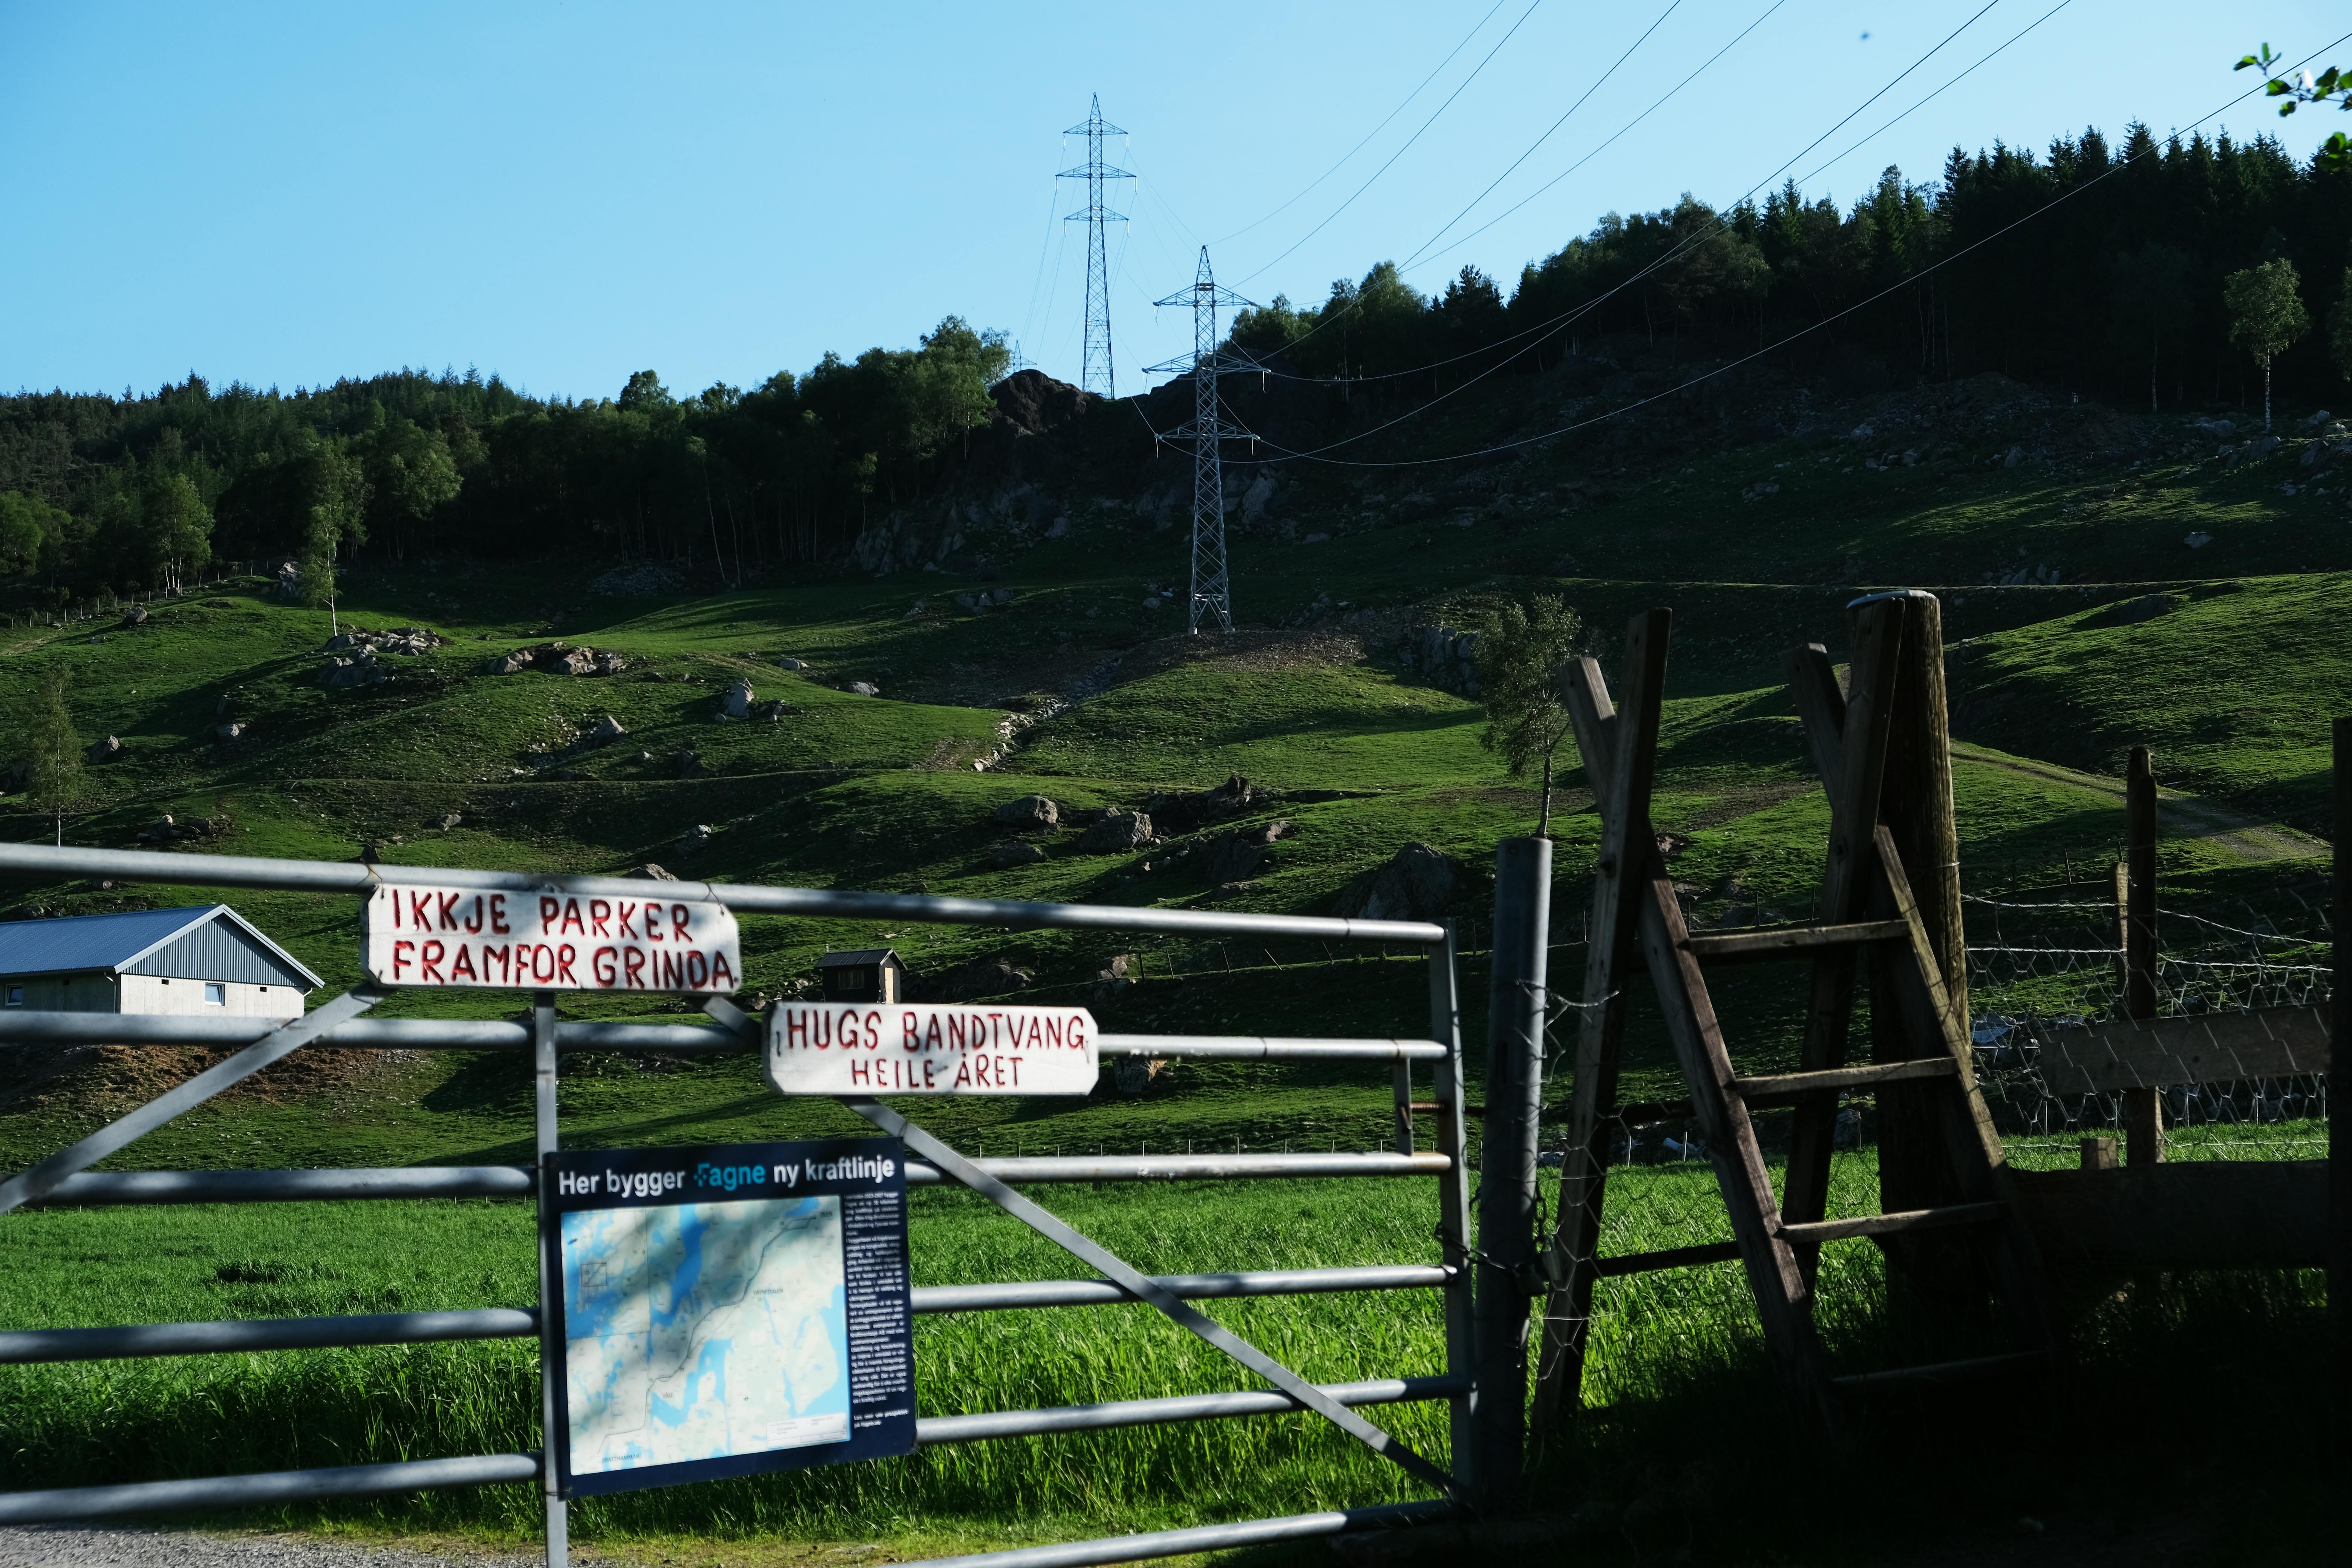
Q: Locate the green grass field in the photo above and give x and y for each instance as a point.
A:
(2233, 686)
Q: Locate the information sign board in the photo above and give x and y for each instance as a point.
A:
(440, 937)
(728, 1310)
(862, 1049)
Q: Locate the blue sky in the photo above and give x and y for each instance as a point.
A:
(566, 193)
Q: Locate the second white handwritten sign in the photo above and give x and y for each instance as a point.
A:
(874, 1047)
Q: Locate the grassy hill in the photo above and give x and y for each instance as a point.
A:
(2225, 655)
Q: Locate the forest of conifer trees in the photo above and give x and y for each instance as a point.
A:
(2089, 268)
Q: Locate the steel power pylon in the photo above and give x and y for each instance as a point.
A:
(1211, 590)
(1095, 373)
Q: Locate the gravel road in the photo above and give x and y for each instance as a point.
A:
(66, 1546)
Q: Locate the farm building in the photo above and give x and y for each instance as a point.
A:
(208, 959)
(863, 974)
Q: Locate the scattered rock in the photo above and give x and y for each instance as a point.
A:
(865, 689)
(361, 669)
(605, 729)
(1131, 1076)
(776, 711)
(1117, 833)
(1114, 980)
(557, 659)
(2199, 539)
(695, 837)
(450, 821)
(1016, 852)
(135, 616)
(790, 664)
(1416, 884)
(736, 703)
(649, 872)
(104, 751)
(228, 731)
(1225, 891)
(688, 766)
(2013, 457)
(1178, 815)
(1030, 813)
(1240, 852)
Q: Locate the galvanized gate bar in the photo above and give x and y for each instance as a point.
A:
(1249, 1047)
(101, 1189)
(935, 1429)
(1114, 1269)
(1021, 1294)
(1185, 1167)
(23, 1346)
(1202, 1538)
(39, 860)
(282, 1042)
(210, 1492)
(109, 1188)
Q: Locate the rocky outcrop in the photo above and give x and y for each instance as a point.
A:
(1030, 813)
(104, 751)
(1415, 884)
(736, 701)
(1446, 658)
(1117, 833)
(558, 658)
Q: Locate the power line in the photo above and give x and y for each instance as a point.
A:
(1409, 141)
(2055, 202)
(1548, 328)
(1375, 130)
(1672, 5)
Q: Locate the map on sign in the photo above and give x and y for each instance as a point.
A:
(731, 1309)
(704, 1331)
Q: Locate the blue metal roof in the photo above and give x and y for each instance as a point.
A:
(81, 943)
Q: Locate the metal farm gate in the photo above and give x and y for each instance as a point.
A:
(1485, 1318)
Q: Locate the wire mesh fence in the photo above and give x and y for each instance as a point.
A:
(2040, 965)
(2040, 962)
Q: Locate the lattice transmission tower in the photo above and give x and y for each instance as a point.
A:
(1209, 430)
(1095, 373)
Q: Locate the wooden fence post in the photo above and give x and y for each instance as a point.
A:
(1916, 806)
(2143, 1107)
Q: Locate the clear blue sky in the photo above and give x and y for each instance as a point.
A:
(566, 193)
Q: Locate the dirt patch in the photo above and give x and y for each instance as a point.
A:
(109, 1081)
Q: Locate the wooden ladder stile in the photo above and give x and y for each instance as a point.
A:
(1867, 908)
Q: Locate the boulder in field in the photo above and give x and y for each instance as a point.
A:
(1016, 852)
(1028, 814)
(865, 689)
(695, 837)
(649, 872)
(104, 751)
(1117, 833)
(1416, 884)
(507, 663)
(790, 664)
(605, 729)
(736, 701)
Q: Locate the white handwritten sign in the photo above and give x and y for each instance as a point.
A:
(427, 936)
(853, 1047)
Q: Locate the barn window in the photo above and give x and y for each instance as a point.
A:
(216, 994)
(16, 997)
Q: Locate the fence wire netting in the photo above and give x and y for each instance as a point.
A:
(2041, 963)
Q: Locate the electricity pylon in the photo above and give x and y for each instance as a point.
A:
(1095, 372)
(1212, 591)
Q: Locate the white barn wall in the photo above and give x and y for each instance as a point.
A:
(156, 993)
